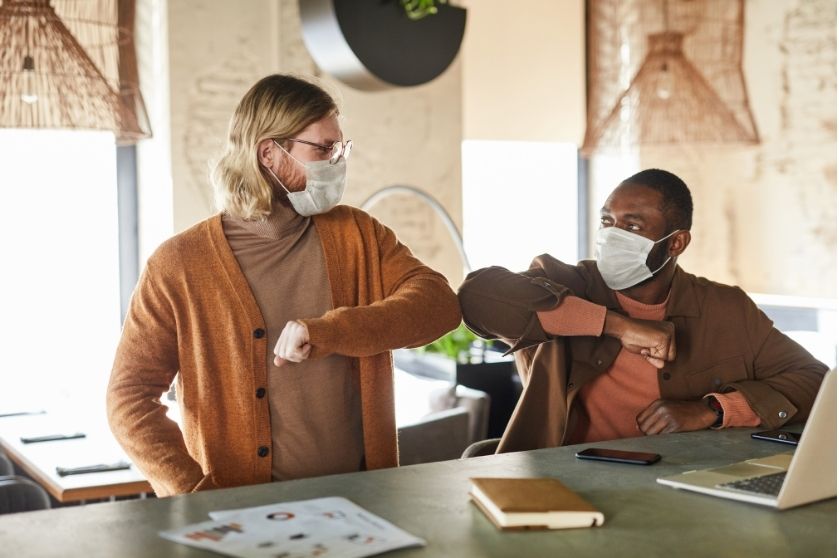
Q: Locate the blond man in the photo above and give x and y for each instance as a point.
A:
(277, 314)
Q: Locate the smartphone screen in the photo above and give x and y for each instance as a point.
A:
(781, 436)
(619, 456)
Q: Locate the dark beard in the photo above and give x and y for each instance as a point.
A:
(657, 257)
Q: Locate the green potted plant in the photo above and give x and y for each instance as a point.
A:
(418, 9)
(479, 367)
(458, 345)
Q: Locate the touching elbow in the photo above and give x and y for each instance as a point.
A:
(470, 310)
(453, 314)
(113, 412)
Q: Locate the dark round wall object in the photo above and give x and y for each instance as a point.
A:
(372, 44)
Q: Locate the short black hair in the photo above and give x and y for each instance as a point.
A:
(676, 201)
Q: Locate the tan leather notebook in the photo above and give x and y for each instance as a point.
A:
(532, 503)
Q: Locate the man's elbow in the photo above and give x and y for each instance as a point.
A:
(452, 314)
(125, 404)
(472, 309)
(436, 313)
(115, 410)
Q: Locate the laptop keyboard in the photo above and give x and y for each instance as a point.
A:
(767, 484)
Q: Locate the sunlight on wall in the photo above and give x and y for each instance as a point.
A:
(59, 289)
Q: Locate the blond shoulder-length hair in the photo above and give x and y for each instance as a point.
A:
(277, 107)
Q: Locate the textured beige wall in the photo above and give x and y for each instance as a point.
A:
(765, 216)
(524, 70)
(408, 136)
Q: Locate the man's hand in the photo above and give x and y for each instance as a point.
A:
(663, 417)
(293, 344)
(654, 340)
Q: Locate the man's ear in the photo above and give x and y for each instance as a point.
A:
(265, 153)
(679, 243)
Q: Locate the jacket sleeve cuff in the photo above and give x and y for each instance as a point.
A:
(736, 410)
(574, 316)
(771, 406)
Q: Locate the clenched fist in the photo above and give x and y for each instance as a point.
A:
(655, 340)
(293, 344)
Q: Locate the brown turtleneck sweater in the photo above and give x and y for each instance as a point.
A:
(315, 405)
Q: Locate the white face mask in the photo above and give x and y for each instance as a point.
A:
(622, 257)
(325, 184)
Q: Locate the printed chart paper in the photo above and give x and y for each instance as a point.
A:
(323, 527)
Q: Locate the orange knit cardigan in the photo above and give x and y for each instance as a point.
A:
(193, 313)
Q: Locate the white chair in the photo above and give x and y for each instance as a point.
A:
(419, 396)
(437, 437)
(476, 402)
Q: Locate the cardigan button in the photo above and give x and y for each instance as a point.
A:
(260, 393)
(666, 375)
(782, 414)
(262, 451)
(259, 333)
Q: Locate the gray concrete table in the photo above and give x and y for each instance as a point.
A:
(643, 518)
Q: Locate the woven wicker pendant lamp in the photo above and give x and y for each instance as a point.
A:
(668, 101)
(48, 80)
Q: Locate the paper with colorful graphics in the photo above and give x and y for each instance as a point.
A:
(323, 527)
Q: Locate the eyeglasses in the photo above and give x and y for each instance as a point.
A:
(336, 150)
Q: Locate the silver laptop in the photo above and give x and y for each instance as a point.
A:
(784, 480)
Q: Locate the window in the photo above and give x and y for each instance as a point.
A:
(810, 322)
(519, 201)
(59, 288)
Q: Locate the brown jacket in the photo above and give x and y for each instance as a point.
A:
(193, 313)
(723, 343)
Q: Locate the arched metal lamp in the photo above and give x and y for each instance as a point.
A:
(438, 208)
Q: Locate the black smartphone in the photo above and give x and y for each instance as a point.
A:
(619, 456)
(781, 436)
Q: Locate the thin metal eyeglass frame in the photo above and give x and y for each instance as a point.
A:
(338, 149)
